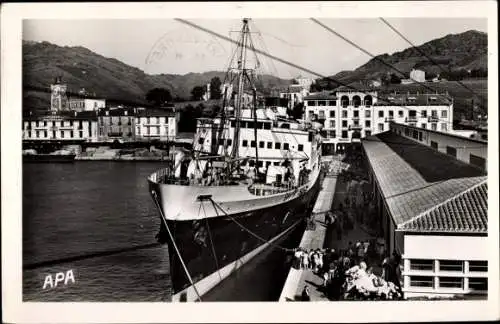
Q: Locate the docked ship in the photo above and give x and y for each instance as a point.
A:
(248, 182)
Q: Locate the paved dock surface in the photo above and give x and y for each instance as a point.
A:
(313, 239)
(331, 194)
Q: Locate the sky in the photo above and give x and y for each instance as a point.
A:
(168, 46)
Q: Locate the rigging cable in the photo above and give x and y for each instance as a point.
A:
(155, 196)
(380, 98)
(428, 57)
(211, 240)
(249, 231)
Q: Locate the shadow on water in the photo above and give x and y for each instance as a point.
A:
(87, 256)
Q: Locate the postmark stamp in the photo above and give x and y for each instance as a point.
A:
(184, 44)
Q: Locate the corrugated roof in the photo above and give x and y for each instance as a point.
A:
(465, 212)
(414, 178)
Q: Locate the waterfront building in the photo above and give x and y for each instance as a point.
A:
(430, 190)
(86, 104)
(116, 124)
(349, 115)
(65, 126)
(156, 124)
(295, 94)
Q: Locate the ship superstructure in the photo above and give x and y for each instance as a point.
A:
(251, 175)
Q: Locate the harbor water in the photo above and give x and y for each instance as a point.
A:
(97, 220)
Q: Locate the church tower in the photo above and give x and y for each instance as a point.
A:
(58, 98)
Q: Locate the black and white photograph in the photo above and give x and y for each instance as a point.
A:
(169, 155)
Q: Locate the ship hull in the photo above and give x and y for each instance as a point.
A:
(212, 247)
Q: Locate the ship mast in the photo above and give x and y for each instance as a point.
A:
(241, 83)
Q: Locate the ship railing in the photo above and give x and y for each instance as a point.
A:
(166, 176)
(271, 189)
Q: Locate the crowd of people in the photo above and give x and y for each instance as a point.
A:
(359, 271)
(346, 274)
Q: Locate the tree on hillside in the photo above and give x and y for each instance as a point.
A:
(158, 96)
(197, 93)
(395, 79)
(385, 80)
(297, 111)
(215, 88)
(315, 87)
(188, 116)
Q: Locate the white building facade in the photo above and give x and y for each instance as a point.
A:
(348, 116)
(76, 127)
(155, 125)
(417, 75)
(295, 95)
(86, 104)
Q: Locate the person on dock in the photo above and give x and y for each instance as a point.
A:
(305, 260)
(305, 296)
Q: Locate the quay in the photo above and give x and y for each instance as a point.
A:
(316, 236)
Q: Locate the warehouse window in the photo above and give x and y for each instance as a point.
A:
(478, 266)
(244, 143)
(451, 282)
(277, 145)
(422, 281)
(478, 284)
(261, 144)
(286, 146)
(434, 145)
(451, 265)
(450, 150)
(419, 264)
(301, 147)
(477, 161)
(253, 144)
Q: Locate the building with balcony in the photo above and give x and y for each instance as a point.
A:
(156, 124)
(430, 190)
(63, 126)
(349, 115)
(116, 124)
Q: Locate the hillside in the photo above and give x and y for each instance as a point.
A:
(465, 51)
(453, 52)
(106, 77)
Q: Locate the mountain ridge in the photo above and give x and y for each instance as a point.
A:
(467, 50)
(107, 77)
